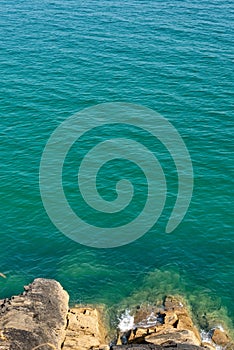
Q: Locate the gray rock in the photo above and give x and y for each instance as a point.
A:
(176, 336)
(157, 347)
(36, 317)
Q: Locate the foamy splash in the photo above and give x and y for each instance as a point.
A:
(126, 321)
(149, 321)
(207, 337)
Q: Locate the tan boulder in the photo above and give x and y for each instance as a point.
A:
(171, 319)
(84, 330)
(220, 338)
(138, 335)
(178, 316)
(185, 323)
(176, 336)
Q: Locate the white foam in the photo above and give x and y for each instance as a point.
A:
(126, 321)
(206, 338)
(150, 321)
(220, 327)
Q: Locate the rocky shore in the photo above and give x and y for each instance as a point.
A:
(40, 318)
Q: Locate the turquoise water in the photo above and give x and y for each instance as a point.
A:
(58, 57)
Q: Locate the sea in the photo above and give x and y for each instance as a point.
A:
(174, 57)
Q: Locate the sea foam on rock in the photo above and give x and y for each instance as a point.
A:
(173, 324)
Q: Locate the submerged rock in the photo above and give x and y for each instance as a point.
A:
(172, 303)
(35, 318)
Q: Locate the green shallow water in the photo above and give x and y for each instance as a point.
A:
(58, 57)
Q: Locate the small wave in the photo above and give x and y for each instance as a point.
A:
(126, 321)
(220, 327)
(206, 337)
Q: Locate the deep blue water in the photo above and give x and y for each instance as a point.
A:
(175, 57)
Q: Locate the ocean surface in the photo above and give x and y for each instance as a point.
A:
(175, 57)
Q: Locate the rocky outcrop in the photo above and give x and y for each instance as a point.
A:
(170, 327)
(85, 330)
(36, 319)
(39, 319)
(174, 326)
